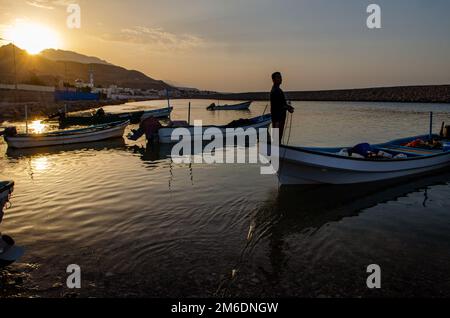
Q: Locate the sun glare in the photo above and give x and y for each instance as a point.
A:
(32, 37)
(37, 127)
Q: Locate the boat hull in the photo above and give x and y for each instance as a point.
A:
(6, 188)
(133, 117)
(30, 141)
(165, 134)
(242, 106)
(299, 167)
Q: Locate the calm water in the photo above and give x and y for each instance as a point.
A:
(140, 225)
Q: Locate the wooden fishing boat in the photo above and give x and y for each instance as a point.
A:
(241, 106)
(303, 165)
(65, 137)
(165, 133)
(133, 117)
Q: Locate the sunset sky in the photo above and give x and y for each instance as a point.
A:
(234, 45)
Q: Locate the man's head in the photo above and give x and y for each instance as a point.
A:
(277, 78)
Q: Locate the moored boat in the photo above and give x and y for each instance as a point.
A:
(204, 133)
(305, 165)
(240, 106)
(64, 137)
(100, 118)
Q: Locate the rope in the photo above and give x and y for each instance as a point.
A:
(288, 140)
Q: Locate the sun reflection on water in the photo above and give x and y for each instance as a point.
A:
(37, 127)
(40, 163)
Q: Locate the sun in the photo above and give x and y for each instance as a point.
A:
(32, 37)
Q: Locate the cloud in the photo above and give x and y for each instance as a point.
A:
(63, 3)
(156, 38)
(49, 4)
(42, 4)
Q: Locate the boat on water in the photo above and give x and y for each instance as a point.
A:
(65, 137)
(104, 118)
(241, 106)
(306, 165)
(9, 251)
(165, 133)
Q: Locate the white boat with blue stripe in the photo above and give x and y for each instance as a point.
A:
(305, 165)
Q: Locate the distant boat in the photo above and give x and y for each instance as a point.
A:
(263, 121)
(96, 119)
(64, 137)
(241, 106)
(301, 165)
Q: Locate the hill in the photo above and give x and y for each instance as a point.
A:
(69, 56)
(47, 69)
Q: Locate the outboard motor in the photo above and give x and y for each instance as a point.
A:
(445, 131)
(10, 131)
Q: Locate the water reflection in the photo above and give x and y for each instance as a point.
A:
(152, 152)
(40, 163)
(304, 210)
(156, 154)
(118, 144)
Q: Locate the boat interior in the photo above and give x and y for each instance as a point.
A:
(77, 131)
(233, 124)
(412, 147)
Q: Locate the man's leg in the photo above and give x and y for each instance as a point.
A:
(276, 125)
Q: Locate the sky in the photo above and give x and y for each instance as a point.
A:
(235, 45)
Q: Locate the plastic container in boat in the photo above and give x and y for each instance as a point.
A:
(446, 146)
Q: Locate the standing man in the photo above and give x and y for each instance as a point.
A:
(278, 104)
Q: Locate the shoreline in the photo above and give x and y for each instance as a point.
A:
(439, 94)
(38, 110)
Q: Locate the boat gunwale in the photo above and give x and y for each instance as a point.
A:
(262, 120)
(244, 105)
(8, 185)
(334, 155)
(75, 132)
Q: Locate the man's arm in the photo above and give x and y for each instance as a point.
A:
(287, 106)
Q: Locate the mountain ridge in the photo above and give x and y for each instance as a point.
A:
(39, 70)
(71, 56)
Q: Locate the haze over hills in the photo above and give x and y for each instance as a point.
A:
(61, 55)
(53, 66)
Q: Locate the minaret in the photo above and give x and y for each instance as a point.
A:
(91, 77)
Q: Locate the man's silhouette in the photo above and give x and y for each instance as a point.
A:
(278, 104)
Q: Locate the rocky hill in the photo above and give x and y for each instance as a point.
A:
(49, 69)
